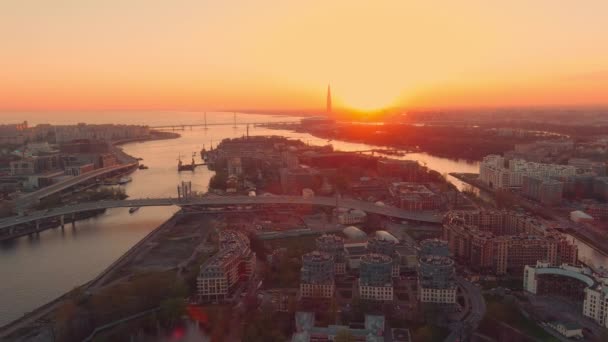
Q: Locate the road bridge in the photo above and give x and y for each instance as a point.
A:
(177, 127)
(11, 225)
(31, 198)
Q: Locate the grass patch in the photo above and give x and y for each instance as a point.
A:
(503, 311)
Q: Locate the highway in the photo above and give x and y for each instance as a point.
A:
(430, 217)
(32, 197)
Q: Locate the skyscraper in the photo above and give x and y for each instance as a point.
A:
(328, 100)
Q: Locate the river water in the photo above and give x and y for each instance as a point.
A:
(38, 269)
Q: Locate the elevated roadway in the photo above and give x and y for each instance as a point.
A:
(32, 198)
(430, 217)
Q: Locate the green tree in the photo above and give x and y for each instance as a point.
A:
(171, 310)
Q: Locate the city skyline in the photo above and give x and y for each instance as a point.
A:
(269, 55)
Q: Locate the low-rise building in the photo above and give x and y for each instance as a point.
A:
(414, 196)
(77, 170)
(567, 329)
(307, 331)
(348, 216)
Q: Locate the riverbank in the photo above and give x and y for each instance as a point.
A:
(457, 143)
(29, 325)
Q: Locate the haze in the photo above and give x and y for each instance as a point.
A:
(273, 55)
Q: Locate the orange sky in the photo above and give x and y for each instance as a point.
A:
(229, 54)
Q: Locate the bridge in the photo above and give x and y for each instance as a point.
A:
(175, 127)
(31, 198)
(12, 225)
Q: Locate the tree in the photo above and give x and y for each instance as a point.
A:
(344, 336)
(171, 310)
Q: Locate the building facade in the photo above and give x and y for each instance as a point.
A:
(233, 264)
(494, 173)
(333, 245)
(317, 275)
(375, 277)
(501, 242)
(576, 283)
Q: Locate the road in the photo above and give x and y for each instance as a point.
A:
(31, 198)
(477, 309)
(431, 217)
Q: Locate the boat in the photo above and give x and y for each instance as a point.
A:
(142, 167)
(124, 180)
(133, 209)
(185, 167)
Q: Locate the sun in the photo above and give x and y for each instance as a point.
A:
(366, 99)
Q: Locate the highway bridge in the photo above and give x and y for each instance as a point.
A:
(11, 225)
(31, 198)
(182, 127)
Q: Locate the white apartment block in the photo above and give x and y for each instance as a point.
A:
(439, 296)
(494, 173)
(384, 293)
(595, 305)
(317, 290)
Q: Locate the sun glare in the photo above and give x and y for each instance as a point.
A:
(367, 100)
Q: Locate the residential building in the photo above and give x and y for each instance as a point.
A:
(414, 196)
(232, 265)
(436, 282)
(293, 180)
(494, 173)
(509, 243)
(431, 247)
(333, 245)
(317, 275)
(580, 284)
(600, 188)
(544, 190)
(235, 167)
(375, 277)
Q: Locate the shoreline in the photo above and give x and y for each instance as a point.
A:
(45, 309)
(407, 149)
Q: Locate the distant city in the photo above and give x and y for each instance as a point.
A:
(304, 242)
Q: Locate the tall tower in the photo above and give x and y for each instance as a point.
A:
(328, 109)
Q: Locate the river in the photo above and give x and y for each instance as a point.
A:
(38, 269)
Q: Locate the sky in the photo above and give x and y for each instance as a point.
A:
(275, 55)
